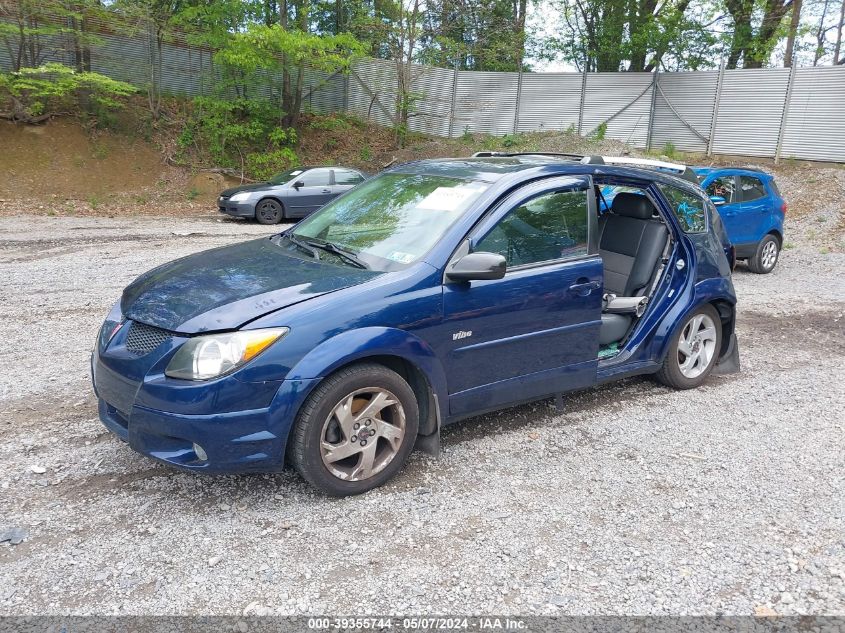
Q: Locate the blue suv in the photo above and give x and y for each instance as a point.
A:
(752, 211)
(439, 290)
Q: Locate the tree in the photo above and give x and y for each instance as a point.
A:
(275, 49)
(838, 48)
(793, 32)
(752, 45)
(37, 94)
(636, 35)
(34, 31)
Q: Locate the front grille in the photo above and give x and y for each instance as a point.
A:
(143, 338)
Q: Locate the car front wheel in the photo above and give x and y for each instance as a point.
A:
(355, 431)
(694, 350)
(764, 260)
(269, 211)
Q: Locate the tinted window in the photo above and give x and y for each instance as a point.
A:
(687, 207)
(724, 187)
(548, 227)
(752, 188)
(316, 178)
(347, 177)
(285, 176)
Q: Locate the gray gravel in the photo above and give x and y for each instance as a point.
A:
(636, 500)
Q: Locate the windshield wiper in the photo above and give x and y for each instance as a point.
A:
(341, 252)
(308, 247)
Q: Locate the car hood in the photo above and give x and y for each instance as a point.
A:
(259, 186)
(224, 288)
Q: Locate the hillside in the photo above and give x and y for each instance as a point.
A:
(62, 168)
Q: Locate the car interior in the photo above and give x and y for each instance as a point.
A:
(633, 243)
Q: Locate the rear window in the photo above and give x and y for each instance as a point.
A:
(752, 188)
(687, 207)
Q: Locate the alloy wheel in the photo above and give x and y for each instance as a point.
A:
(696, 346)
(362, 434)
(769, 255)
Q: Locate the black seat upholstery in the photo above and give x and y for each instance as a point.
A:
(630, 244)
(631, 241)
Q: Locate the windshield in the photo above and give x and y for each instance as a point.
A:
(392, 220)
(285, 176)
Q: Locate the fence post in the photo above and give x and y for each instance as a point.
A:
(583, 94)
(454, 99)
(346, 92)
(716, 101)
(793, 69)
(651, 112)
(518, 98)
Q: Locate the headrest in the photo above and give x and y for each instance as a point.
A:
(632, 205)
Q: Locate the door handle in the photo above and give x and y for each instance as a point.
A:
(583, 288)
(327, 190)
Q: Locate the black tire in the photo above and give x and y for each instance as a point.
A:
(269, 211)
(671, 373)
(766, 256)
(305, 445)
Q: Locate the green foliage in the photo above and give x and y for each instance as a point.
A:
(330, 123)
(240, 133)
(192, 194)
(263, 165)
(669, 150)
(51, 88)
(511, 140)
(366, 154)
(599, 133)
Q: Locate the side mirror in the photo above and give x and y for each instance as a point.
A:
(717, 200)
(298, 184)
(478, 266)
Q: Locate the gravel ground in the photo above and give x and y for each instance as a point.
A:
(636, 500)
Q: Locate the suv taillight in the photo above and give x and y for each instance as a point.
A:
(783, 208)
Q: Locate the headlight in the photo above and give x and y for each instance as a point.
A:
(240, 197)
(205, 357)
(113, 322)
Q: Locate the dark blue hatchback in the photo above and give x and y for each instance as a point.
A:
(436, 291)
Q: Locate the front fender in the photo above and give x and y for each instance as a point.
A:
(360, 344)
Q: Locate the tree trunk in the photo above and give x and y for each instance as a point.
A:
(821, 34)
(838, 49)
(763, 43)
(520, 32)
(740, 11)
(793, 31)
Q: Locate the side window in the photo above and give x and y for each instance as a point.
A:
(347, 177)
(752, 188)
(688, 208)
(724, 187)
(316, 178)
(549, 227)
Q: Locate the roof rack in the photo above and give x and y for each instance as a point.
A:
(682, 171)
(581, 158)
(643, 162)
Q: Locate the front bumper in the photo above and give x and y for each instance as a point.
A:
(250, 440)
(238, 209)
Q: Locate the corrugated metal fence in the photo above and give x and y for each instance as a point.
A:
(775, 113)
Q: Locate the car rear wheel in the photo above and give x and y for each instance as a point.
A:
(694, 350)
(269, 211)
(764, 260)
(355, 431)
